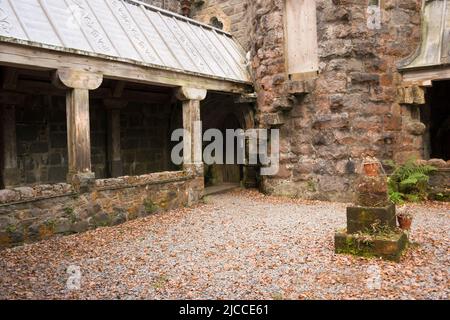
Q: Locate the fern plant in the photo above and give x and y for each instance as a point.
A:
(409, 182)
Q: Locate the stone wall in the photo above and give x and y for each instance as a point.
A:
(42, 139)
(99, 133)
(145, 138)
(350, 110)
(439, 180)
(229, 15)
(171, 5)
(233, 16)
(31, 214)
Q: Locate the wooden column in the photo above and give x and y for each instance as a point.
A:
(10, 171)
(191, 98)
(78, 84)
(114, 156)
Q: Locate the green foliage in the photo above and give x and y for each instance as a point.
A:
(70, 213)
(409, 182)
(150, 206)
(11, 228)
(311, 186)
(50, 224)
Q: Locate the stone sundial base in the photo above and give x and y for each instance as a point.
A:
(372, 232)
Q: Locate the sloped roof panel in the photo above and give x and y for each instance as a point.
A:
(125, 29)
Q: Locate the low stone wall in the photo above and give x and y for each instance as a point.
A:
(439, 180)
(35, 213)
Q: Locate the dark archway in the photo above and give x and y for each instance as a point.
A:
(220, 111)
(436, 115)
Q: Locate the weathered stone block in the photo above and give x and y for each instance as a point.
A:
(372, 191)
(62, 226)
(84, 182)
(362, 219)
(5, 240)
(101, 219)
(79, 227)
(119, 218)
(9, 196)
(372, 199)
(386, 246)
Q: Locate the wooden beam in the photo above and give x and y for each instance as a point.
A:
(25, 56)
(46, 88)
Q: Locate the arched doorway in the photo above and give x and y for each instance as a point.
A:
(221, 112)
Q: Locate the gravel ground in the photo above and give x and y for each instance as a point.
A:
(240, 245)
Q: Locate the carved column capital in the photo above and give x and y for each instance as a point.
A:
(186, 93)
(77, 79)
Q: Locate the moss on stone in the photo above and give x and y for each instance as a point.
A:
(387, 245)
(150, 207)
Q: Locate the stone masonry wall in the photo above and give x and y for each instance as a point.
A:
(352, 108)
(42, 139)
(41, 212)
(171, 5)
(144, 139)
(233, 15)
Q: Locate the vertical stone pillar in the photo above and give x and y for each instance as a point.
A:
(10, 171)
(114, 156)
(78, 84)
(192, 150)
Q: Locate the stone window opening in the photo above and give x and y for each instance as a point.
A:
(130, 135)
(436, 116)
(129, 129)
(216, 23)
(34, 129)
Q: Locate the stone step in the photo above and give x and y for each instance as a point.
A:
(388, 246)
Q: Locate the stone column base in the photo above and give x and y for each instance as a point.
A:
(82, 182)
(195, 169)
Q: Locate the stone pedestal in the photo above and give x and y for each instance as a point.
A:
(372, 224)
(372, 232)
(366, 219)
(388, 246)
